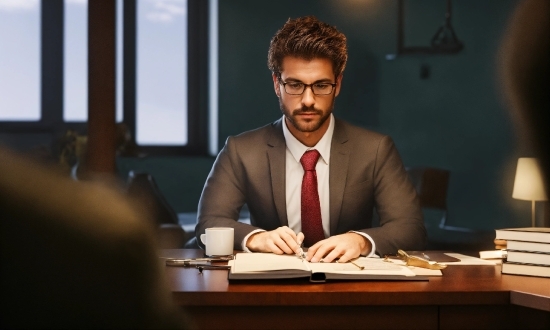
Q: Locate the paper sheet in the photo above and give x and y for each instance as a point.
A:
(468, 260)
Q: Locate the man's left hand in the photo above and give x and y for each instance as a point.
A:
(346, 246)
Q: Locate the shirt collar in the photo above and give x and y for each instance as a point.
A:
(297, 149)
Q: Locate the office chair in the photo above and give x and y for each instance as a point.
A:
(143, 187)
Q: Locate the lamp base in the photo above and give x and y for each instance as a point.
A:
(533, 214)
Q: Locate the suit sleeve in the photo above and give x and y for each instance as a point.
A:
(396, 201)
(223, 195)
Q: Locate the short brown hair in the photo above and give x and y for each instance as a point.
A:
(308, 38)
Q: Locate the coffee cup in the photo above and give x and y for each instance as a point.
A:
(218, 241)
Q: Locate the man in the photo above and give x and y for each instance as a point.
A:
(356, 169)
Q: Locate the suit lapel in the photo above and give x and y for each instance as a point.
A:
(276, 153)
(338, 171)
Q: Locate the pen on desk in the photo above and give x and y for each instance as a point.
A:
(207, 266)
(203, 267)
(191, 263)
(209, 259)
(184, 263)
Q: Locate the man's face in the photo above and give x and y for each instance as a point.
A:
(306, 113)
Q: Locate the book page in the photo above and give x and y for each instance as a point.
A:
(261, 262)
(372, 266)
(265, 262)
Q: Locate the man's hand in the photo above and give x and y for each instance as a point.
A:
(346, 246)
(279, 241)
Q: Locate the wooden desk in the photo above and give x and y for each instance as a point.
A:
(465, 297)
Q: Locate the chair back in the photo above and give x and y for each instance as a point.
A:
(143, 187)
(431, 185)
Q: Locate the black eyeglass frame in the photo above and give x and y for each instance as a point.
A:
(284, 83)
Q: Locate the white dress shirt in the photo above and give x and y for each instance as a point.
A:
(293, 183)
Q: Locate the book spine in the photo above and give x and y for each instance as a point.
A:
(535, 258)
(513, 268)
(513, 245)
(527, 236)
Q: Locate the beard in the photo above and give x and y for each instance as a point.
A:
(306, 126)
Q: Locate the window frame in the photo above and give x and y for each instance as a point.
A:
(51, 80)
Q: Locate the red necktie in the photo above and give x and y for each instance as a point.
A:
(312, 226)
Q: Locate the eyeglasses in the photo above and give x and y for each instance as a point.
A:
(298, 88)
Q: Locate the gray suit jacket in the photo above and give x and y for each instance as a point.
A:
(365, 172)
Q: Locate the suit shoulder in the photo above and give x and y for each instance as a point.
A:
(258, 135)
(254, 133)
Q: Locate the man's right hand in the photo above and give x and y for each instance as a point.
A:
(279, 241)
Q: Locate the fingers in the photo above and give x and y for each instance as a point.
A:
(279, 241)
(319, 250)
(342, 247)
(271, 246)
(313, 253)
(300, 238)
(334, 254)
(292, 240)
(284, 239)
(347, 256)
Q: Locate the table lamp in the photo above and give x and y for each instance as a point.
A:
(528, 184)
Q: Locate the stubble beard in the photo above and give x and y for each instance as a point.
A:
(310, 126)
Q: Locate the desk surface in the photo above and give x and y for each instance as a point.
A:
(459, 286)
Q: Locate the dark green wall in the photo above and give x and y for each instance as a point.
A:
(455, 119)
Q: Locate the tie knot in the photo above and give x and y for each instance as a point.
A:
(309, 160)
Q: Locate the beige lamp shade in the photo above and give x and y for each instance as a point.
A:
(528, 184)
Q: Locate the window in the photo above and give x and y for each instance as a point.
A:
(162, 101)
(161, 107)
(20, 66)
(75, 61)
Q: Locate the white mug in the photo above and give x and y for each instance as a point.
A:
(218, 241)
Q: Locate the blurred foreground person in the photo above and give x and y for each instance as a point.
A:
(525, 66)
(76, 255)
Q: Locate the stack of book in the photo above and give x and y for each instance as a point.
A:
(528, 251)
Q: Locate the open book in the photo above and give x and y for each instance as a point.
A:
(248, 266)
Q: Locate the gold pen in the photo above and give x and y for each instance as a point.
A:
(358, 266)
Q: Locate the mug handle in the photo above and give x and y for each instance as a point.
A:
(203, 239)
